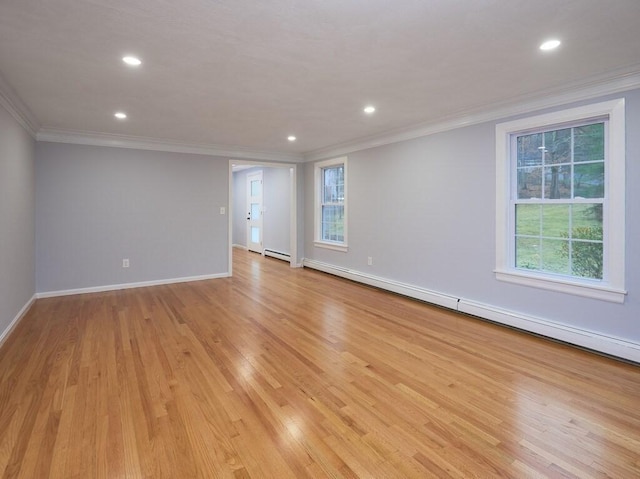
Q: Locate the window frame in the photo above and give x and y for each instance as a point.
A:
(319, 167)
(611, 287)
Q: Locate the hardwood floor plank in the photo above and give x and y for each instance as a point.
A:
(291, 373)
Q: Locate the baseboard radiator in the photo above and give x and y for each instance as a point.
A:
(277, 254)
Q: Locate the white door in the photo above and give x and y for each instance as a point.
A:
(254, 212)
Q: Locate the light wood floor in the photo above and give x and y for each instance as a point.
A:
(280, 373)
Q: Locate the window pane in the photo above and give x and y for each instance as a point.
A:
(555, 221)
(255, 234)
(586, 221)
(557, 182)
(333, 185)
(528, 253)
(528, 220)
(333, 223)
(588, 143)
(255, 187)
(588, 180)
(530, 150)
(255, 211)
(553, 259)
(557, 146)
(587, 259)
(529, 183)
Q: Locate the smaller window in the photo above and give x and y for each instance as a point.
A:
(331, 204)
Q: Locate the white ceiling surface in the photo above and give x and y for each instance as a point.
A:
(247, 73)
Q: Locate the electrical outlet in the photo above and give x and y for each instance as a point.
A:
(125, 263)
(370, 260)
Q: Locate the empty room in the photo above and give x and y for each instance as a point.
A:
(319, 239)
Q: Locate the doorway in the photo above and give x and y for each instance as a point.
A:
(278, 231)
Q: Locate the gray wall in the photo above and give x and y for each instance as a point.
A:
(97, 205)
(277, 205)
(17, 208)
(424, 209)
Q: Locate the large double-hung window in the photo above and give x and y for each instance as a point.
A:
(560, 201)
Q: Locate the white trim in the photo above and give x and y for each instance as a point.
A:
(331, 246)
(612, 287)
(16, 320)
(594, 291)
(619, 81)
(17, 109)
(157, 144)
(230, 219)
(404, 289)
(239, 246)
(141, 284)
(293, 218)
(616, 193)
(587, 339)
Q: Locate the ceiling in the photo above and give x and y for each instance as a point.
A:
(248, 73)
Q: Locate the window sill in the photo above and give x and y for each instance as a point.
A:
(561, 285)
(332, 246)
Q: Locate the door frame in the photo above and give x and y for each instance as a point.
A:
(293, 217)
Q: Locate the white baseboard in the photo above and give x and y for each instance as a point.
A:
(568, 334)
(142, 284)
(239, 246)
(390, 285)
(14, 323)
(587, 339)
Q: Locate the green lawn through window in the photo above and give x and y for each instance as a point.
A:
(543, 240)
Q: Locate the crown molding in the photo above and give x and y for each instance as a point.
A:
(11, 102)
(156, 144)
(611, 83)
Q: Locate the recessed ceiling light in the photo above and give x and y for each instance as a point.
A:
(120, 115)
(369, 109)
(550, 45)
(132, 61)
(291, 138)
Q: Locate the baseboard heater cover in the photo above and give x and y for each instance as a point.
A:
(277, 254)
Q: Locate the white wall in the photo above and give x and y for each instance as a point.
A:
(277, 204)
(424, 209)
(17, 208)
(97, 205)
